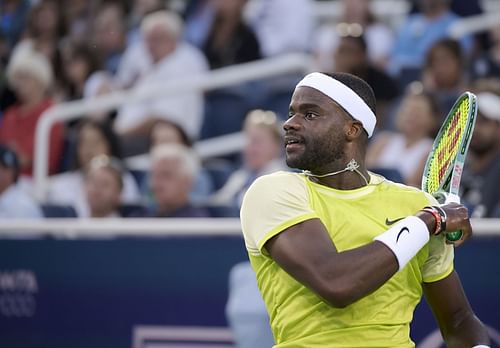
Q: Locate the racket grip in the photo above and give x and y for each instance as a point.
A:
(446, 198)
(456, 235)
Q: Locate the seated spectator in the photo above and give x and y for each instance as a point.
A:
(92, 139)
(80, 63)
(356, 17)
(351, 57)
(15, 203)
(42, 34)
(443, 75)
(406, 150)
(103, 187)
(171, 60)
(166, 132)
(173, 170)
(480, 179)
(230, 40)
(30, 75)
(262, 155)
(281, 28)
(488, 63)
(420, 31)
(109, 35)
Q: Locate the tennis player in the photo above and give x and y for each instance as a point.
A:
(342, 256)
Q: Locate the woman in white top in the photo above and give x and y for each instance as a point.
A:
(407, 149)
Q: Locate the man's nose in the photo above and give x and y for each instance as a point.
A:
(292, 123)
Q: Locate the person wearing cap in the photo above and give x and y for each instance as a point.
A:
(482, 169)
(14, 202)
(343, 256)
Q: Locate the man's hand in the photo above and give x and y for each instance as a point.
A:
(457, 219)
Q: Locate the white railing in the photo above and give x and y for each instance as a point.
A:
(156, 227)
(219, 78)
(474, 24)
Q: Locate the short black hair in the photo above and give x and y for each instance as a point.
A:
(359, 86)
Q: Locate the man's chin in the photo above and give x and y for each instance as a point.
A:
(294, 163)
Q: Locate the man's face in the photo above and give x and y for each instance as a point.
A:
(315, 129)
(169, 183)
(159, 43)
(103, 189)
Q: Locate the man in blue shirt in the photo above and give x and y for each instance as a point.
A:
(420, 31)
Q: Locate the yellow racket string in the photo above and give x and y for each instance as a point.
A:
(448, 147)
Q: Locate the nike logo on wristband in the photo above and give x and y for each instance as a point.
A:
(401, 231)
(392, 222)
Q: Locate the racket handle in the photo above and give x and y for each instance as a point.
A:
(445, 198)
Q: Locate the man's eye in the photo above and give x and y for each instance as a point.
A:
(290, 114)
(310, 115)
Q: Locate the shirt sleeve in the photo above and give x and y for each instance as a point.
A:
(439, 263)
(273, 203)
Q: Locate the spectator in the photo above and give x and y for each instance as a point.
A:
(351, 57)
(282, 28)
(480, 178)
(262, 154)
(443, 72)
(80, 62)
(488, 63)
(13, 15)
(14, 201)
(103, 187)
(30, 75)
(92, 139)
(406, 150)
(174, 168)
(109, 35)
(356, 17)
(42, 34)
(171, 60)
(230, 40)
(166, 132)
(420, 31)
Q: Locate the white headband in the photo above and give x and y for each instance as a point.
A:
(343, 95)
(489, 105)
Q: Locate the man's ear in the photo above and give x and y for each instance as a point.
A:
(354, 130)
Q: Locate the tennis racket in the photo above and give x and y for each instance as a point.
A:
(443, 169)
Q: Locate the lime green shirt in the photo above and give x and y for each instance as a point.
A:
(298, 317)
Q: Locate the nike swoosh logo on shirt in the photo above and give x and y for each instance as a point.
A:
(392, 222)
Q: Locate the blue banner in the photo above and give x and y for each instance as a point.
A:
(95, 293)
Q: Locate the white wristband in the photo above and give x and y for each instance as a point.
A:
(405, 238)
(481, 346)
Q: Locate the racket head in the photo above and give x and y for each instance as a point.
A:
(443, 168)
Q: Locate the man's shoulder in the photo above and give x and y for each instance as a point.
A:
(406, 191)
(279, 179)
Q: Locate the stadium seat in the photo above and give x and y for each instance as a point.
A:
(225, 111)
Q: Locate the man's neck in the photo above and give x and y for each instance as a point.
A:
(347, 180)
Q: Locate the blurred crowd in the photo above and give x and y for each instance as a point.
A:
(54, 51)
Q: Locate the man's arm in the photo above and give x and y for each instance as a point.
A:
(307, 253)
(457, 322)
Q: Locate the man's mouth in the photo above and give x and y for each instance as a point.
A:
(293, 142)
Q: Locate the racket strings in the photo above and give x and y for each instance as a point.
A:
(448, 147)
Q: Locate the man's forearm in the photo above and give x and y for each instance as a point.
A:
(466, 331)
